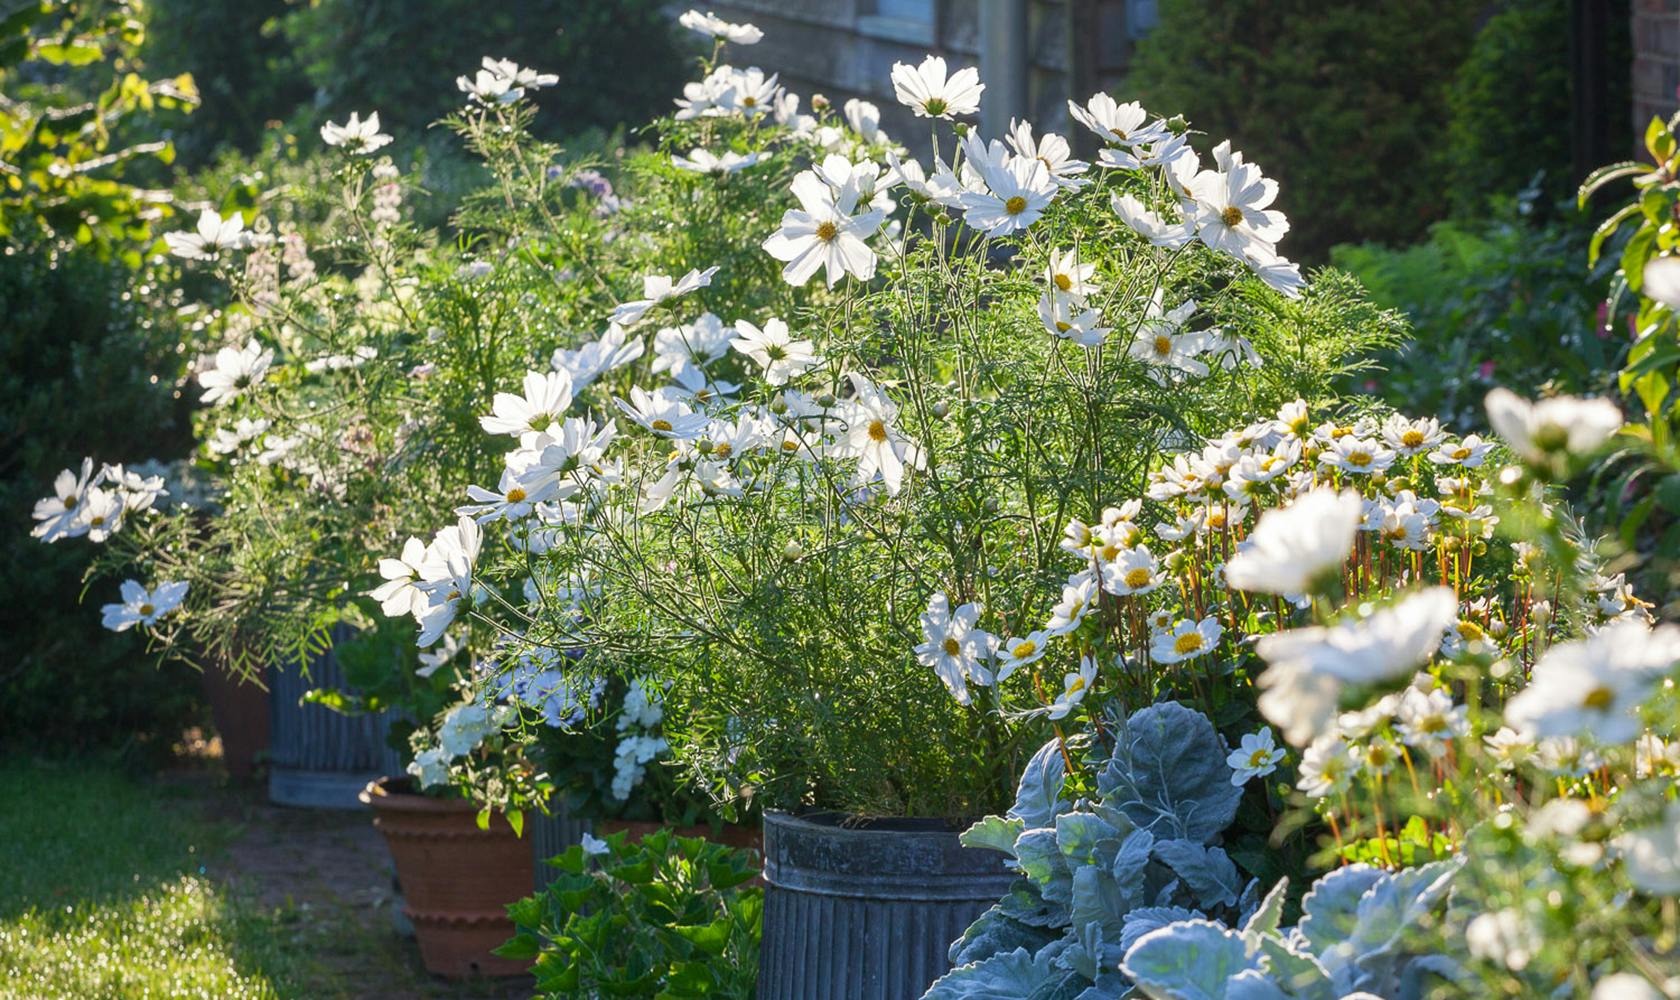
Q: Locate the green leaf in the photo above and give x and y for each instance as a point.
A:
(1667, 493)
(516, 819)
(517, 947)
(1605, 174)
(1634, 256)
(1607, 228)
(484, 818)
(993, 832)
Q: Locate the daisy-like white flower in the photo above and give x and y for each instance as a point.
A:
(686, 349)
(942, 187)
(1126, 126)
(1162, 342)
(865, 119)
(1064, 317)
(1595, 686)
(1229, 207)
(1074, 688)
(663, 415)
(823, 232)
(1308, 667)
(658, 288)
(489, 86)
(1019, 651)
(596, 358)
(1134, 572)
(545, 402)
(1015, 196)
(1357, 456)
(1410, 438)
(234, 370)
(1064, 275)
(57, 516)
(1561, 426)
(931, 93)
(141, 606)
(703, 161)
(1651, 856)
(1293, 548)
(872, 437)
(1051, 150)
(433, 659)
(398, 594)
(953, 645)
(1509, 748)
(446, 578)
(774, 348)
(1326, 768)
(509, 501)
(711, 25)
(1079, 596)
(1150, 225)
(519, 76)
(1282, 275)
(750, 92)
(1186, 640)
(1427, 720)
(357, 136)
(210, 236)
(1470, 452)
(1255, 757)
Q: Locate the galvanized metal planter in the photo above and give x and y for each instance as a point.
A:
(551, 835)
(866, 910)
(317, 757)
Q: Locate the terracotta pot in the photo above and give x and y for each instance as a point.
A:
(239, 711)
(748, 837)
(456, 879)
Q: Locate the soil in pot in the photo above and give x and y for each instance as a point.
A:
(456, 879)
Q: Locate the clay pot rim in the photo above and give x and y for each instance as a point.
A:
(852, 822)
(393, 794)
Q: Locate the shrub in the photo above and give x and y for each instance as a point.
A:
(1344, 101)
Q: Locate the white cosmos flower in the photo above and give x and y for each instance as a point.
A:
(1064, 317)
(1075, 687)
(509, 501)
(1133, 573)
(1051, 150)
(596, 358)
(930, 93)
(702, 161)
(1356, 455)
(1293, 548)
(1540, 431)
(953, 645)
(1019, 651)
(683, 349)
(1470, 453)
(1651, 856)
(941, 188)
(658, 288)
(1065, 275)
(1016, 194)
(1595, 686)
(865, 119)
(1284, 276)
(358, 136)
(1255, 757)
(520, 76)
(233, 371)
(1162, 342)
(446, 578)
(823, 232)
(1308, 667)
(1410, 438)
(545, 402)
(1326, 768)
(663, 415)
(1427, 720)
(141, 606)
(1079, 596)
(212, 235)
(1151, 226)
(872, 437)
(1229, 207)
(1186, 640)
(398, 595)
(57, 515)
(716, 27)
(774, 348)
(1125, 125)
(488, 86)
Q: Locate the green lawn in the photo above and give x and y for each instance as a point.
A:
(107, 891)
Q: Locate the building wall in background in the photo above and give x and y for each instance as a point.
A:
(1656, 61)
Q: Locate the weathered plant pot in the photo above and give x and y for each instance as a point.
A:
(240, 712)
(866, 909)
(549, 836)
(731, 834)
(320, 758)
(456, 879)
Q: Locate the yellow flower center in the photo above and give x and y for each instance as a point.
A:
(789, 445)
(749, 101)
(1015, 205)
(515, 495)
(723, 449)
(97, 520)
(1412, 438)
(1189, 642)
(1599, 698)
(877, 430)
(951, 647)
(1064, 282)
(1359, 458)
(826, 231)
(1025, 648)
(1076, 685)
(1163, 345)
(1231, 216)
(1259, 758)
(660, 424)
(1062, 327)
(146, 610)
(1136, 578)
(1460, 453)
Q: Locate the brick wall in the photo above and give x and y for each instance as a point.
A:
(1656, 60)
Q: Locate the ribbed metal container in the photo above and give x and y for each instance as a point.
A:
(866, 910)
(551, 835)
(319, 758)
